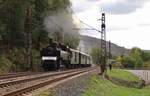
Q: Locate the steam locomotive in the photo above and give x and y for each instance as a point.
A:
(59, 56)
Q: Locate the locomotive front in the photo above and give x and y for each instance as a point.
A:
(49, 56)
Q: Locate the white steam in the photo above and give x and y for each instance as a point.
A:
(61, 21)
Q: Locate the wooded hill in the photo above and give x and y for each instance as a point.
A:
(22, 30)
(87, 43)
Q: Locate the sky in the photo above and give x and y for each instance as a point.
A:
(127, 21)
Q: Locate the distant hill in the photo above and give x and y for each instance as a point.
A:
(87, 43)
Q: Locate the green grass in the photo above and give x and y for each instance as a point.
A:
(122, 74)
(45, 93)
(102, 87)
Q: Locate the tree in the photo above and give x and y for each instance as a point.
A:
(138, 62)
(133, 60)
(15, 29)
(128, 62)
(56, 5)
(96, 54)
(145, 56)
(40, 35)
(136, 53)
(121, 60)
(12, 14)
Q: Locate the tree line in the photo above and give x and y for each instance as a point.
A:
(136, 58)
(17, 18)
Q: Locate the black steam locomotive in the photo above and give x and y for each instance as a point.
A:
(58, 56)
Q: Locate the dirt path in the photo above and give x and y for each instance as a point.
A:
(142, 74)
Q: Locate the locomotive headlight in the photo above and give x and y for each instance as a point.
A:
(49, 58)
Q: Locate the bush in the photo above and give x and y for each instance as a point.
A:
(5, 65)
(96, 54)
(128, 62)
(139, 63)
(18, 57)
(36, 60)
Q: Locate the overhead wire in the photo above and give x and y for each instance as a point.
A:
(92, 28)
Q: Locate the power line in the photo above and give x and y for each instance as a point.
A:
(92, 28)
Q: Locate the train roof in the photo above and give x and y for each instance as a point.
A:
(84, 54)
(74, 50)
(79, 52)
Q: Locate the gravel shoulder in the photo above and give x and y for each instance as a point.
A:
(142, 74)
(73, 87)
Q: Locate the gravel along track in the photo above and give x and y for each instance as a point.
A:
(75, 86)
(28, 84)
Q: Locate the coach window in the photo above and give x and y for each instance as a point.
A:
(85, 60)
(75, 57)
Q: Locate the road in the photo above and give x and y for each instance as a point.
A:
(142, 74)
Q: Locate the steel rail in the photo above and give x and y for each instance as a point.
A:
(54, 78)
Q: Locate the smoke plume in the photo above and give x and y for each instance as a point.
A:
(62, 22)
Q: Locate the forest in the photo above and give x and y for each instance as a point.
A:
(135, 59)
(26, 27)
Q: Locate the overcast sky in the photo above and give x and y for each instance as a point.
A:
(127, 21)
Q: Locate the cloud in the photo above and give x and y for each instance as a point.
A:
(109, 6)
(93, 0)
(79, 9)
(80, 5)
(127, 24)
(84, 5)
(144, 24)
(118, 28)
(121, 6)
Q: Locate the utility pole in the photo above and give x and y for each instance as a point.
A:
(103, 57)
(103, 45)
(28, 31)
(110, 56)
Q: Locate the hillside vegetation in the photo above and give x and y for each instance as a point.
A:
(22, 26)
(87, 43)
(122, 74)
(137, 59)
(102, 87)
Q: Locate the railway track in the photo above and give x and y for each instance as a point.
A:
(26, 84)
(13, 75)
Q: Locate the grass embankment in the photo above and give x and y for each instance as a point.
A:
(122, 74)
(103, 87)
